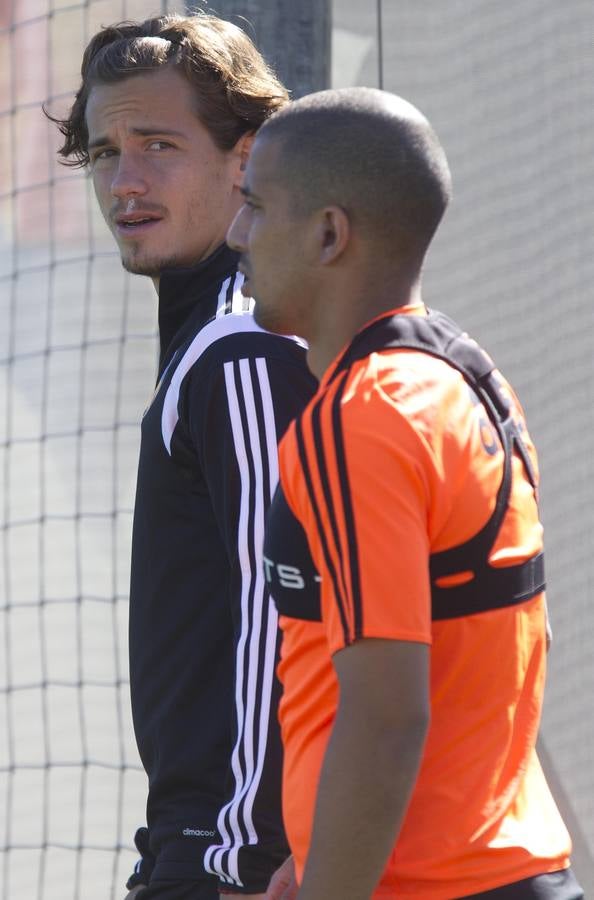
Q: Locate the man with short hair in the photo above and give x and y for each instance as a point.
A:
(403, 546)
(164, 120)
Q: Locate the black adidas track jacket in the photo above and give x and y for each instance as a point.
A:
(203, 630)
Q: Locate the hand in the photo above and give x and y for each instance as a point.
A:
(283, 884)
(135, 892)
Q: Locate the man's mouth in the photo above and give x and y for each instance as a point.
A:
(136, 222)
(132, 223)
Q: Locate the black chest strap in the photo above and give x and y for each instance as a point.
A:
(489, 587)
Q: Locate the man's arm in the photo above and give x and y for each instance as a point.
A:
(243, 406)
(370, 766)
(283, 884)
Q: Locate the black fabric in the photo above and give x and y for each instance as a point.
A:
(490, 587)
(180, 890)
(295, 585)
(561, 885)
(146, 863)
(225, 395)
(183, 293)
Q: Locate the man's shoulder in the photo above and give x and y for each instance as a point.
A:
(230, 348)
(232, 337)
(228, 340)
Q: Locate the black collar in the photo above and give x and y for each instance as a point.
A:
(181, 291)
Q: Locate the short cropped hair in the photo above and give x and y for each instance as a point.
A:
(370, 152)
(235, 89)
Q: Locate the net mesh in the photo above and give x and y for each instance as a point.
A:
(509, 88)
(77, 364)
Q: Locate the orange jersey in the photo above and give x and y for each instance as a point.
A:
(394, 461)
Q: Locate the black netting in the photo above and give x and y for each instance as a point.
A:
(510, 90)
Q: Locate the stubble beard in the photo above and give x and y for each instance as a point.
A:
(151, 266)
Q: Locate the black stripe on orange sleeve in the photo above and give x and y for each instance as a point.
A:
(323, 540)
(323, 466)
(349, 517)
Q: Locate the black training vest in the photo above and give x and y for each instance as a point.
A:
(491, 588)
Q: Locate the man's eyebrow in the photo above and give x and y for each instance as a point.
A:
(140, 132)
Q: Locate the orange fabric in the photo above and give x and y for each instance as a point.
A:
(420, 471)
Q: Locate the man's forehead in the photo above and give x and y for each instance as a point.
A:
(163, 91)
(265, 166)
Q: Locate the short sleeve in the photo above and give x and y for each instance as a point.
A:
(358, 476)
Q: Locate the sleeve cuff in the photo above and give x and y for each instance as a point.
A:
(144, 866)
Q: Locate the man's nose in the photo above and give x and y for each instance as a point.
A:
(129, 177)
(237, 233)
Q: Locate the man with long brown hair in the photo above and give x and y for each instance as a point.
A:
(164, 119)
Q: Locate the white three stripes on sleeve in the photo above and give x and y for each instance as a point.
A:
(255, 648)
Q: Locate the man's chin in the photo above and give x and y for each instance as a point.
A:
(149, 267)
(268, 320)
(259, 316)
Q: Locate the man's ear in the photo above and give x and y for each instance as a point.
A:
(241, 152)
(333, 233)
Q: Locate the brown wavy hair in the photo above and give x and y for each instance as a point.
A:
(236, 91)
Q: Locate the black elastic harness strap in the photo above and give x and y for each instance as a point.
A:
(490, 587)
(475, 552)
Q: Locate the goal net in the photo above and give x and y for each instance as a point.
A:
(510, 90)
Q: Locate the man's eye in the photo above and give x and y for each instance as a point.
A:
(103, 154)
(159, 145)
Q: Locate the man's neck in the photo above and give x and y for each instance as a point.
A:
(211, 251)
(342, 320)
